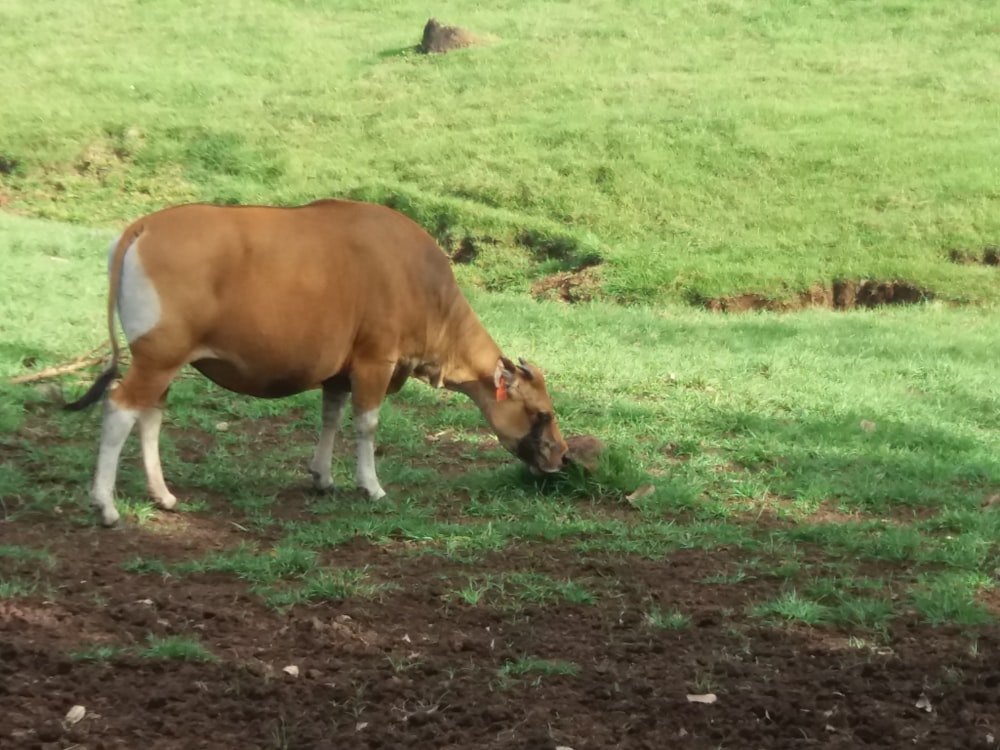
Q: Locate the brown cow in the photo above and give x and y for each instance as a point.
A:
(349, 297)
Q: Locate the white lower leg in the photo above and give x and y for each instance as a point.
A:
(365, 424)
(115, 428)
(333, 414)
(150, 421)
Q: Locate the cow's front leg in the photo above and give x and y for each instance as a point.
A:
(368, 388)
(334, 404)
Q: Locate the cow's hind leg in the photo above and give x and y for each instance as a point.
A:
(150, 421)
(139, 392)
(335, 394)
(116, 426)
(368, 389)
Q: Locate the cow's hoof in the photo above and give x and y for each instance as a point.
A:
(367, 494)
(166, 503)
(109, 517)
(323, 485)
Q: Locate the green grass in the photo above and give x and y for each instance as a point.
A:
(17, 552)
(514, 590)
(761, 418)
(324, 586)
(855, 603)
(256, 566)
(535, 668)
(173, 648)
(13, 587)
(670, 619)
(98, 653)
(791, 607)
(282, 576)
(698, 149)
(176, 648)
(951, 598)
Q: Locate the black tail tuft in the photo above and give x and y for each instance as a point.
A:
(93, 395)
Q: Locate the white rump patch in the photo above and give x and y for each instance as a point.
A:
(138, 302)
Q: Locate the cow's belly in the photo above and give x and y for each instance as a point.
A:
(258, 383)
(259, 357)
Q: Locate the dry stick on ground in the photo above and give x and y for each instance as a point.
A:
(84, 360)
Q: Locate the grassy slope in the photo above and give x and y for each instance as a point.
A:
(701, 148)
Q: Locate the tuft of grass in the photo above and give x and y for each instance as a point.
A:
(867, 610)
(98, 653)
(535, 667)
(951, 599)
(176, 648)
(791, 607)
(670, 619)
(516, 589)
(473, 591)
(141, 511)
(735, 577)
(19, 552)
(325, 585)
(616, 475)
(541, 589)
(14, 587)
(258, 567)
(145, 565)
(863, 612)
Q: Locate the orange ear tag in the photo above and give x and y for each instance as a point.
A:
(502, 390)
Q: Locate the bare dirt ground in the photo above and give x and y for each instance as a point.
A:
(418, 668)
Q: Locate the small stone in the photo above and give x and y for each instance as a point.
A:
(707, 698)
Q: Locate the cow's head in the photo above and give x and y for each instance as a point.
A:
(523, 417)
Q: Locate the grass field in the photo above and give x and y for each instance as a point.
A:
(829, 477)
(700, 149)
(884, 420)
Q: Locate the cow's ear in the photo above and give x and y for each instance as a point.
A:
(525, 368)
(505, 378)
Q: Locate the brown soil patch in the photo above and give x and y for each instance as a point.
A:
(569, 286)
(465, 250)
(438, 38)
(418, 668)
(99, 159)
(988, 255)
(841, 294)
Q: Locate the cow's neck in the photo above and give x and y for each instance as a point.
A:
(472, 360)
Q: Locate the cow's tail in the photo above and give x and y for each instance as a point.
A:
(106, 378)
